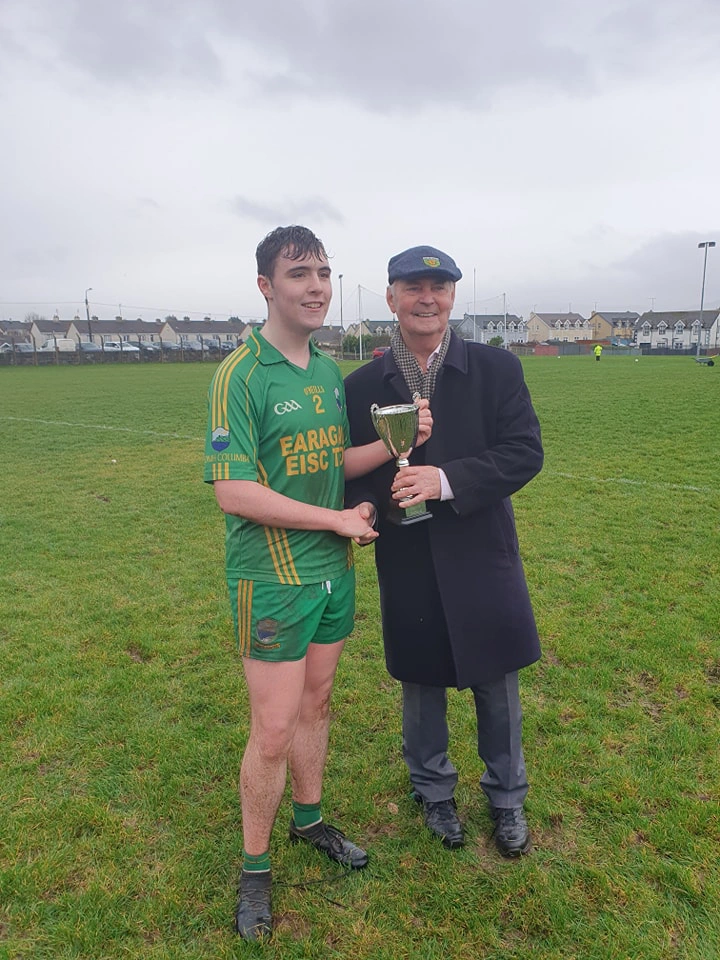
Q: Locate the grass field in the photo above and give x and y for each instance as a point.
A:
(123, 712)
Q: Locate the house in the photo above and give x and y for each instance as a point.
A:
(42, 330)
(608, 324)
(145, 331)
(568, 327)
(372, 328)
(14, 331)
(329, 339)
(78, 329)
(197, 331)
(677, 329)
(483, 327)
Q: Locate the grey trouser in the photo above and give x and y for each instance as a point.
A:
(499, 728)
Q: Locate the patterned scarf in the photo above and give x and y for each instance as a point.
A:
(417, 381)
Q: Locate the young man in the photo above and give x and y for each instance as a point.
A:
(455, 605)
(276, 455)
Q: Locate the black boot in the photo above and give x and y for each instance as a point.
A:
(253, 915)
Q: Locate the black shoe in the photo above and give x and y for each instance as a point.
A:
(253, 916)
(332, 842)
(442, 820)
(512, 836)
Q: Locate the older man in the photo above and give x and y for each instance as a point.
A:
(455, 606)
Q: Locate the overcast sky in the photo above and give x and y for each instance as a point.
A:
(564, 152)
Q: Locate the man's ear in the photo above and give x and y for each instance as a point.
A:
(265, 285)
(390, 298)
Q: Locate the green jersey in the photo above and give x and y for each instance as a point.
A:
(286, 428)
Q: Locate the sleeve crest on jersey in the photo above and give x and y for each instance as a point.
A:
(220, 439)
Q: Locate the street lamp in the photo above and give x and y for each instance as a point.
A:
(704, 245)
(505, 344)
(342, 328)
(87, 313)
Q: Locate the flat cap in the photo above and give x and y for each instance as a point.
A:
(422, 262)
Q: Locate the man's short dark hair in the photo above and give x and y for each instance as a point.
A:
(293, 242)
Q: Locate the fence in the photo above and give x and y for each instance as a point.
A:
(85, 352)
(560, 348)
(647, 350)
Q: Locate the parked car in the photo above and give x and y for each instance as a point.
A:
(22, 347)
(227, 346)
(379, 351)
(115, 346)
(61, 344)
(89, 346)
(146, 346)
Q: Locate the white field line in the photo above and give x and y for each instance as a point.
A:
(629, 482)
(546, 473)
(102, 426)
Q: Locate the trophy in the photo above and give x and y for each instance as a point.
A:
(397, 427)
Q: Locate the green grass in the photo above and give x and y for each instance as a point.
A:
(123, 710)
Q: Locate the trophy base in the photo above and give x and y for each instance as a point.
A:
(415, 514)
(406, 521)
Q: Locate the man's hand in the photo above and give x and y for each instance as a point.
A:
(355, 524)
(368, 511)
(425, 422)
(418, 483)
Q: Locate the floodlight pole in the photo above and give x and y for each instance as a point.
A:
(342, 328)
(704, 245)
(87, 313)
(474, 310)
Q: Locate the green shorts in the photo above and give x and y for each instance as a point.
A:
(276, 621)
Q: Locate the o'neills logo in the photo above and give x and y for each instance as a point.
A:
(431, 261)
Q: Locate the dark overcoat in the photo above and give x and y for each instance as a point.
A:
(454, 601)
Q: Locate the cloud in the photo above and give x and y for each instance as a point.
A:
(32, 261)
(671, 267)
(124, 44)
(565, 149)
(383, 56)
(663, 272)
(313, 208)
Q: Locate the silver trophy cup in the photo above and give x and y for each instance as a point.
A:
(397, 427)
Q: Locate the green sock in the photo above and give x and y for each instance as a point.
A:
(306, 814)
(258, 864)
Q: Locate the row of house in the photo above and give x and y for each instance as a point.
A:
(186, 331)
(172, 330)
(677, 329)
(672, 329)
(479, 327)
